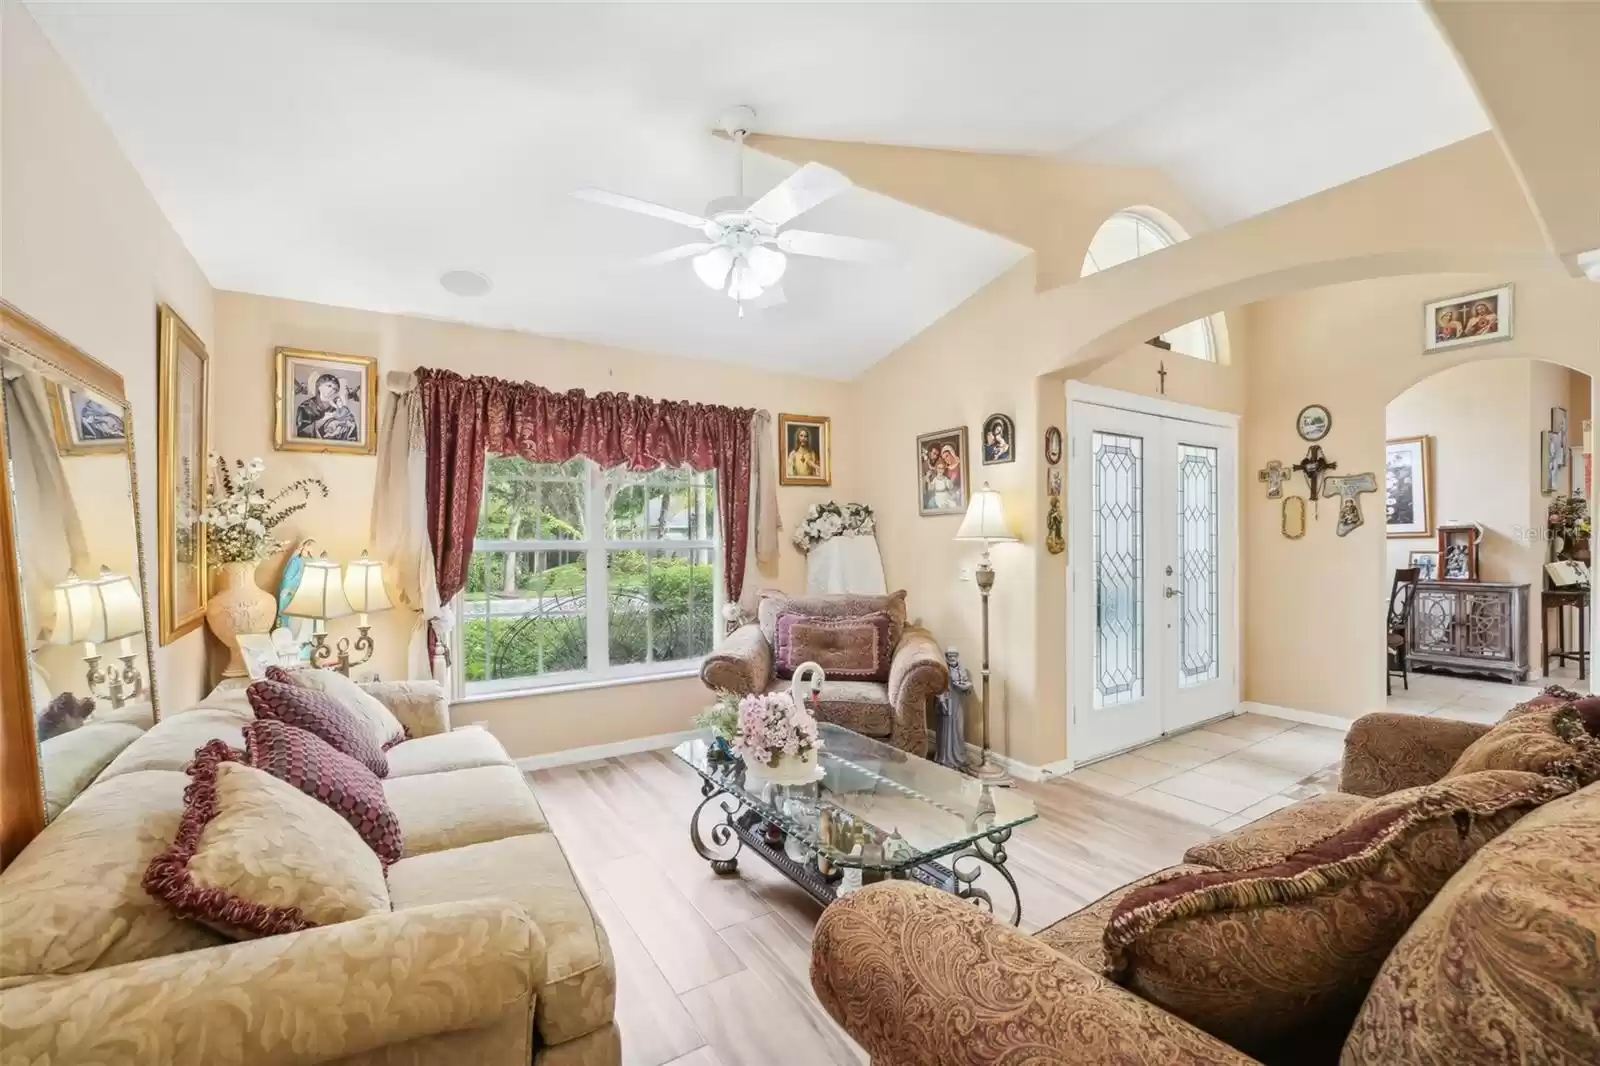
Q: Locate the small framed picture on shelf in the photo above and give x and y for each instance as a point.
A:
(1426, 564)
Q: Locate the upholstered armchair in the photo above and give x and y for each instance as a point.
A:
(894, 709)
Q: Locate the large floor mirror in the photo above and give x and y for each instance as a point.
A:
(77, 674)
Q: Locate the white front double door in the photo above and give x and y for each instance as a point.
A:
(1152, 517)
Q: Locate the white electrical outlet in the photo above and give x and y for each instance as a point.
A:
(966, 573)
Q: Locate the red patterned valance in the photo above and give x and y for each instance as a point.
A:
(466, 418)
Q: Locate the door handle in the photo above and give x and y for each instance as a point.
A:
(1171, 592)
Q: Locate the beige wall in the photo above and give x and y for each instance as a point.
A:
(1311, 606)
(85, 249)
(248, 328)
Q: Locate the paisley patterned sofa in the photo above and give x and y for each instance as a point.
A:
(490, 956)
(1502, 964)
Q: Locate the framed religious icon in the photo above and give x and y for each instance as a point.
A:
(84, 423)
(1052, 445)
(805, 445)
(183, 385)
(1313, 422)
(1471, 318)
(942, 472)
(999, 440)
(1458, 552)
(1408, 487)
(326, 403)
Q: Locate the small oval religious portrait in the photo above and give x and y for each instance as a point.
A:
(1314, 422)
(1052, 445)
(999, 440)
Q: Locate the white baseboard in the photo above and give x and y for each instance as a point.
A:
(1023, 771)
(1291, 714)
(604, 751)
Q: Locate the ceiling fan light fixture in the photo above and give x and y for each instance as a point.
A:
(766, 265)
(712, 267)
(745, 284)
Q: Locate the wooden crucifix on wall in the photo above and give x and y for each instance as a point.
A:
(1314, 466)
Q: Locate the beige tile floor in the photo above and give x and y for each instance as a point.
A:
(1467, 698)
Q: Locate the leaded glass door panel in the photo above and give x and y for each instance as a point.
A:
(1152, 519)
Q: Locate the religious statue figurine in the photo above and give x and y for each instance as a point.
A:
(951, 742)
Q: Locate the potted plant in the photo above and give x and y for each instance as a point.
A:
(1568, 521)
(239, 518)
(777, 734)
(722, 718)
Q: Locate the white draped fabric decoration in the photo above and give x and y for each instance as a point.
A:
(845, 564)
(400, 528)
(47, 519)
(764, 519)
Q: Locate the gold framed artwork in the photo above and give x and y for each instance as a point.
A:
(326, 402)
(182, 443)
(943, 474)
(1408, 487)
(85, 423)
(806, 446)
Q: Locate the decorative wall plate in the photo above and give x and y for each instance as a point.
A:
(1313, 422)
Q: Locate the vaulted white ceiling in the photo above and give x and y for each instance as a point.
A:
(350, 153)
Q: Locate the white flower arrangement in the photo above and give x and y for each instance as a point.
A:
(824, 521)
(239, 517)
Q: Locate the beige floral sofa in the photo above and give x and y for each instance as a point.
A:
(894, 710)
(491, 955)
(1501, 963)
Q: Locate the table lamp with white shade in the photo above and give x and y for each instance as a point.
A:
(321, 599)
(97, 612)
(986, 521)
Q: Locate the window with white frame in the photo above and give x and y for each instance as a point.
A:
(1128, 235)
(581, 573)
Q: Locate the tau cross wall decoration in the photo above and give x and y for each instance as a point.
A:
(1349, 490)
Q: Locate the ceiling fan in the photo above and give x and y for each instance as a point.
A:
(745, 251)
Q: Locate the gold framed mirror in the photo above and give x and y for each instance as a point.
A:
(182, 440)
(77, 666)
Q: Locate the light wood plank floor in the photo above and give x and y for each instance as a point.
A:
(715, 971)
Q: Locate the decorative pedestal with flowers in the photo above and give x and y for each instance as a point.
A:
(841, 550)
(239, 518)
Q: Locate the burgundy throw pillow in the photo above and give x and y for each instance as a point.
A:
(320, 714)
(855, 648)
(312, 765)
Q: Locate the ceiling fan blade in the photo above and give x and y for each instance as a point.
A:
(773, 297)
(799, 193)
(643, 207)
(831, 246)
(672, 255)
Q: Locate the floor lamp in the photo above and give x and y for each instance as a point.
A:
(986, 521)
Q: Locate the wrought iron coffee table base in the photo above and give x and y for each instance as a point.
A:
(741, 827)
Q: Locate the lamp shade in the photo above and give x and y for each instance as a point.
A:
(363, 586)
(116, 611)
(986, 518)
(321, 592)
(74, 607)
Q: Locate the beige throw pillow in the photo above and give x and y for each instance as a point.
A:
(255, 856)
(378, 720)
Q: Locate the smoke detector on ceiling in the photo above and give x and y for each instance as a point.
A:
(465, 283)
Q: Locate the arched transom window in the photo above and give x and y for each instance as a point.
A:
(1128, 235)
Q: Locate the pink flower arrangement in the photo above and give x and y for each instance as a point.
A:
(772, 725)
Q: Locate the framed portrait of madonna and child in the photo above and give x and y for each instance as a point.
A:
(1471, 318)
(326, 403)
(804, 444)
(942, 472)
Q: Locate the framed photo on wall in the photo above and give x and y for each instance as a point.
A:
(805, 447)
(326, 402)
(999, 440)
(183, 385)
(943, 479)
(85, 424)
(1408, 487)
(1472, 318)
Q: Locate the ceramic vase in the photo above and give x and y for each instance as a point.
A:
(239, 606)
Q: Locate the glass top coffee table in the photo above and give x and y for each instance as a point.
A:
(873, 809)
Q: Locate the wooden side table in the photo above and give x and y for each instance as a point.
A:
(1557, 599)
